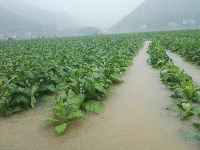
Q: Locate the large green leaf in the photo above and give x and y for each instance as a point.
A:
(29, 74)
(60, 129)
(34, 89)
(75, 115)
(90, 87)
(186, 106)
(186, 115)
(75, 99)
(57, 110)
(115, 78)
(92, 106)
(100, 88)
(63, 87)
(15, 109)
(13, 88)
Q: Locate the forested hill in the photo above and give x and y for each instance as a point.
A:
(161, 15)
(11, 22)
(61, 20)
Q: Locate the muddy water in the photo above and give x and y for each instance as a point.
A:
(133, 118)
(189, 68)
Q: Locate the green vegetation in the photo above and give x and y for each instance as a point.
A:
(185, 43)
(77, 72)
(184, 90)
(82, 67)
(158, 57)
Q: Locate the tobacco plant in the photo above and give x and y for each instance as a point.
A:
(186, 92)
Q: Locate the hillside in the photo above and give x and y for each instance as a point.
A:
(11, 23)
(158, 14)
(61, 20)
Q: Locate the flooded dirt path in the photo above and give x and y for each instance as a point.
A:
(190, 69)
(133, 118)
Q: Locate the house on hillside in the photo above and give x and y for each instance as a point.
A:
(11, 35)
(23, 34)
(189, 22)
(143, 27)
(172, 24)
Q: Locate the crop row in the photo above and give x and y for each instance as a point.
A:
(185, 43)
(184, 90)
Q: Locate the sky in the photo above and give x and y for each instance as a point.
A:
(98, 13)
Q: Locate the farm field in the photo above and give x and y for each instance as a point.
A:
(81, 77)
(189, 68)
(184, 43)
(185, 90)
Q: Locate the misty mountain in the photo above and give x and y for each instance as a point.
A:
(161, 15)
(61, 20)
(11, 22)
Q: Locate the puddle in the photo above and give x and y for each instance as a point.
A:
(133, 118)
(190, 69)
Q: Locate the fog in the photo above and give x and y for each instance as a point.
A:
(86, 17)
(98, 13)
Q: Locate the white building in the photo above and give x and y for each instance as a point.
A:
(27, 34)
(172, 24)
(12, 35)
(143, 27)
(189, 22)
(23, 34)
